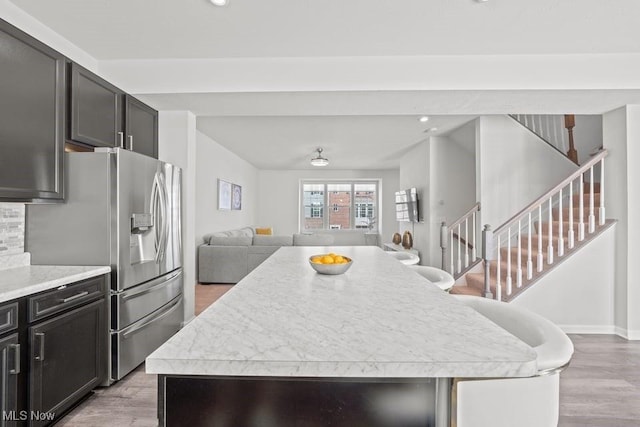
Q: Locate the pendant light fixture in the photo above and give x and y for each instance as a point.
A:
(319, 160)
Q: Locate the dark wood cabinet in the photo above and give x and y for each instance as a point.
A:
(32, 117)
(96, 113)
(66, 359)
(141, 127)
(9, 372)
(67, 338)
(101, 115)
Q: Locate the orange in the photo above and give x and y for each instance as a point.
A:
(327, 259)
(339, 259)
(316, 259)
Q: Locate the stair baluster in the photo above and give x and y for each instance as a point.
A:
(550, 243)
(459, 260)
(519, 268)
(571, 236)
(508, 278)
(466, 246)
(592, 213)
(560, 225)
(540, 257)
(529, 259)
(581, 211)
(601, 193)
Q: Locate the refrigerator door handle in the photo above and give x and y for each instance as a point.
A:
(159, 215)
(163, 211)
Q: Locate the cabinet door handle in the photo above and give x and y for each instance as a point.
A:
(131, 142)
(40, 355)
(121, 139)
(16, 359)
(76, 296)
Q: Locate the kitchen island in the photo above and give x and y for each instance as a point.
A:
(288, 346)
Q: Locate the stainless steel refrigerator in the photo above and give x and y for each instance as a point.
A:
(121, 209)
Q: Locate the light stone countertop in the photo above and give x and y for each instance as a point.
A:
(22, 281)
(378, 320)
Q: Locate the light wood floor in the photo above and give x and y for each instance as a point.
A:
(600, 388)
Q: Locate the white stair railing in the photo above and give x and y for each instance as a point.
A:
(458, 242)
(553, 206)
(555, 129)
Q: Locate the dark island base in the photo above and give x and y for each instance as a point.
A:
(268, 401)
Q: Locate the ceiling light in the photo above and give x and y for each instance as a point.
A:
(424, 119)
(431, 130)
(319, 160)
(219, 2)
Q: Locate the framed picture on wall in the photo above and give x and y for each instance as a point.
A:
(236, 197)
(224, 195)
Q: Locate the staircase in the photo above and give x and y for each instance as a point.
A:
(541, 236)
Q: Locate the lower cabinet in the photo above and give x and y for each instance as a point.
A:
(9, 372)
(66, 360)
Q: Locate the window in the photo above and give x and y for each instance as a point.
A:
(353, 205)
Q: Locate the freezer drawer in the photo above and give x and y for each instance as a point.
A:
(136, 303)
(132, 345)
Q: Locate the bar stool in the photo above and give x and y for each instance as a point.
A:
(407, 258)
(438, 277)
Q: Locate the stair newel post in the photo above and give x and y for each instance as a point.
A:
(592, 213)
(550, 245)
(570, 233)
(569, 123)
(443, 244)
(466, 246)
(601, 211)
(529, 259)
(540, 231)
(581, 211)
(487, 255)
(519, 267)
(561, 226)
(507, 279)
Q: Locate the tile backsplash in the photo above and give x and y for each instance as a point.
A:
(11, 228)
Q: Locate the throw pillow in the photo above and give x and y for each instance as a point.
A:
(267, 231)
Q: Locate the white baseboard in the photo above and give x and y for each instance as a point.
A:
(589, 329)
(631, 335)
(601, 329)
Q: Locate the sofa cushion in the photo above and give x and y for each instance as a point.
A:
(312, 239)
(261, 240)
(267, 231)
(230, 241)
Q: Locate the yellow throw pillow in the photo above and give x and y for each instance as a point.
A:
(268, 231)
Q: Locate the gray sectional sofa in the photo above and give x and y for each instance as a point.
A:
(228, 256)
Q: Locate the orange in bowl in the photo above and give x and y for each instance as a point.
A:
(330, 263)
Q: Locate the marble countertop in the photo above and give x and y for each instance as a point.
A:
(378, 320)
(17, 282)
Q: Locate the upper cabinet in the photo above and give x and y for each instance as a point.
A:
(141, 127)
(101, 115)
(32, 117)
(96, 114)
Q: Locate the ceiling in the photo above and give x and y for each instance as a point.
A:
(359, 129)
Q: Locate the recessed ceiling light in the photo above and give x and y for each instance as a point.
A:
(219, 2)
(431, 130)
(423, 119)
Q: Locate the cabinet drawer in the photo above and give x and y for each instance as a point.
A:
(65, 297)
(8, 317)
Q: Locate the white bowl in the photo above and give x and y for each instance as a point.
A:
(330, 268)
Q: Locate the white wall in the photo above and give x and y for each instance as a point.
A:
(578, 295)
(514, 168)
(279, 197)
(177, 145)
(621, 130)
(587, 135)
(216, 162)
(414, 172)
(453, 178)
